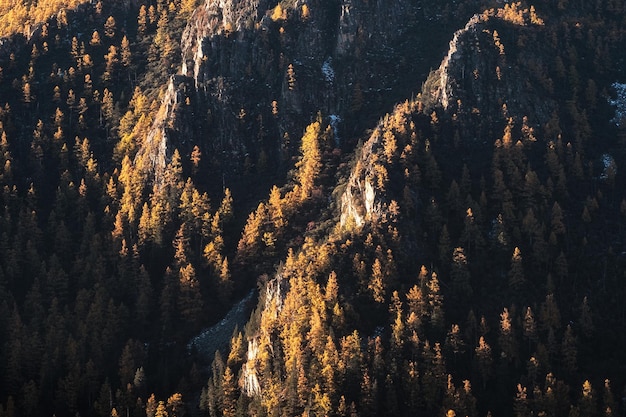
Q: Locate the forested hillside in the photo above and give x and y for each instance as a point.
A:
(427, 199)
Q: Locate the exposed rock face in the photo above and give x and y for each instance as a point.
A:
(153, 154)
(348, 26)
(275, 292)
(359, 201)
(249, 379)
(474, 75)
(486, 71)
(446, 89)
(259, 78)
(483, 79)
(216, 18)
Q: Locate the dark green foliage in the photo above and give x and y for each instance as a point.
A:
(111, 258)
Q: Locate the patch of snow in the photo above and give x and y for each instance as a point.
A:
(328, 71)
(619, 102)
(334, 124)
(610, 167)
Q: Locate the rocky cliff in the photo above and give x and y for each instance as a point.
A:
(262, 70)
(497, 66)
(485, 79)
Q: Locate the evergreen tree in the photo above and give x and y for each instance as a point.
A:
(516, 272)
(507, 339)
(484, 361)
(460, 274)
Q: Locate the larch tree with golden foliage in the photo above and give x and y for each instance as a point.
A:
(310, 164)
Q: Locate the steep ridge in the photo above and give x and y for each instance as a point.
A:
(213, 19)
(465, 257)
(153, 154)
(261, 71)
(474, 85)
(396, 208)
(482, 76)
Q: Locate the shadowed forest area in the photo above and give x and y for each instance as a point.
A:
(424, 201)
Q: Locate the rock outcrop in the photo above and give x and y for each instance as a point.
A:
(271, 304)
(484, 80)
(487, 70)
(260, 74)
(154, 152)
(359, 202)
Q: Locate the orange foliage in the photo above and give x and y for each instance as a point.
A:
(18, 17)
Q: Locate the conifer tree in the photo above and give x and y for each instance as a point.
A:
(609, 406)
(142, 20)
(586, 321)
(454, 341)
(444, 245)
(460, 274)
(190, 299)
(530, 326)
(507, 339)
(229, 388)
(483, 361)
(569, 351)
(310, 163)
(377, 282)
(550, 316)
(521, 407)
(125, 53)
(587, 402)
(435, 302)
(516, 272)
(109, 27)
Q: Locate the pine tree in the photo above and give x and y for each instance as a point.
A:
(111, 61)
(174, 405)
(585, 320)
(556, 222)
(483, 361)
(226, 207)
(471, 237)
(142, 20)
(507, 340)
(444, 245)
(550, 316)
(109, 27)
(530, 326)
(609, 406)
(454, 341)
(190, 299)
(521, 407)
(125, 53)
(27, 95)
(587, 402)
(435, 303)
(377, 283)
(569, 351)
(397, 325)
(516, 272)
(95, 39)
(309, 165)
(225, 282)
(460, 274)
(467, 400)
(433, 376)
(368, 403)
(161, 410)
(229, 388)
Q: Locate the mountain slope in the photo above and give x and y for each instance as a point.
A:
(460, 257)
(502, 319)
